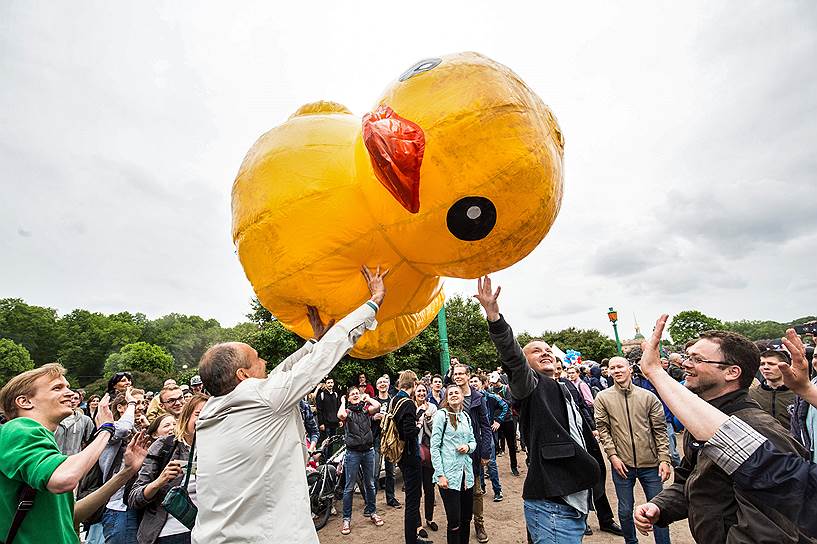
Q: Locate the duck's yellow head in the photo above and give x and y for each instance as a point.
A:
(462, 165)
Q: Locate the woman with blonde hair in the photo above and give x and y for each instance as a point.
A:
(452, 441)
(163, 469)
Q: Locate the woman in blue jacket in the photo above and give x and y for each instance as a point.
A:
(452, 441)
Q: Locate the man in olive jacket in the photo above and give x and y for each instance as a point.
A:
(720, 367)
(632, 430)
(557, 492)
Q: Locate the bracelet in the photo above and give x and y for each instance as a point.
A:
(105, 427)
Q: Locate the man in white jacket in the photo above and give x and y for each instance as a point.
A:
(251, 481)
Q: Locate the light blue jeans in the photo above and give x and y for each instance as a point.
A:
(553, 523)
(652, 485)
(352, 462)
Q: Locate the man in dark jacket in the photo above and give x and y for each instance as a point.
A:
(558, 487)
(327, 403)
(719, 368)
(405, 418)
(477, 408)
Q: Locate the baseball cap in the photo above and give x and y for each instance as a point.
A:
(195, 380)
(493, 377)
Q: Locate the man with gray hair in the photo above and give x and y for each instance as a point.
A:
(251, 484)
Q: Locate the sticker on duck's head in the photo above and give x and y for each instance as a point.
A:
(395, 147)
(422, 66)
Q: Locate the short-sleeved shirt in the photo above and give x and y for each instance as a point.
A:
(29, 454)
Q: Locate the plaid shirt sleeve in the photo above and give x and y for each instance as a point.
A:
(733, 443)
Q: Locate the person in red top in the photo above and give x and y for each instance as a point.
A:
(364, 386)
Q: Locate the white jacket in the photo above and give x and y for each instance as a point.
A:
(251, 478)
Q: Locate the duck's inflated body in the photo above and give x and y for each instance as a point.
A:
(456, 172)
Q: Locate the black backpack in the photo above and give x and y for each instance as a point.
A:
(358, 425)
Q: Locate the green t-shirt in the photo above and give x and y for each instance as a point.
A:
(28, 453)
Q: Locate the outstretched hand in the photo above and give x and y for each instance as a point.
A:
(318, 326)
(374, 280)
(103, 411)
(137, 451)
(796, 376)
(651, 357)
(487, 297)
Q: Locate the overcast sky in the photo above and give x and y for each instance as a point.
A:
(690, 156)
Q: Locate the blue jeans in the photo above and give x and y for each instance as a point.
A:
(673, 446)
(553, 523)
(120, 527)
(389, 483)
(493, 473)
(352, 462)
(652, 485)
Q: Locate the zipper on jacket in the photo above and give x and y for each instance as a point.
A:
(630, 425)
(774, 403)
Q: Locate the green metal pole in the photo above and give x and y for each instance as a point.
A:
(618, 342)
(445, 359)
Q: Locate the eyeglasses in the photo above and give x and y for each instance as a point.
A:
(695, 360)
(176, 400)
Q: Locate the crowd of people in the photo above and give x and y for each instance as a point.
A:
(222, 459)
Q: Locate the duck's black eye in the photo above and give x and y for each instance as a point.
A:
(423, 66)
(471, 218)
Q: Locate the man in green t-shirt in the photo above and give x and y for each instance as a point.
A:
(35, 402)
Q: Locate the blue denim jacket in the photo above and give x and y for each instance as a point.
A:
(445, 458)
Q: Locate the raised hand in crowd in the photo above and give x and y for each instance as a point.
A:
(796, 375)
(375, 283)
(103, 412)
(487, 297)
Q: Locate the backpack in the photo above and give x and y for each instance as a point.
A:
(391, 445)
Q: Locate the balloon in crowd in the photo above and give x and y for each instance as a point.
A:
(456, 171)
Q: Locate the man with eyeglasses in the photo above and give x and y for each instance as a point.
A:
(720, 367)
(171, 399)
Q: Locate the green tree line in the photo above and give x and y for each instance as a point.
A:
(92, 346)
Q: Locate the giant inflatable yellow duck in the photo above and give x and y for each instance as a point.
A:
(457, 171)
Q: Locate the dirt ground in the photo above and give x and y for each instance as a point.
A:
(504, 521)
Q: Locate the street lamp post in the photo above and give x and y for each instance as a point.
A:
(613, 316)
(443, 328)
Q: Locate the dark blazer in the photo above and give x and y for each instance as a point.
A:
(559, 466)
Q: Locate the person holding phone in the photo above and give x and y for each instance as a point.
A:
(452, 441)
(357, 419)
(163, 469)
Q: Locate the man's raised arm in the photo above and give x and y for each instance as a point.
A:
(285, 389)
(521, 377)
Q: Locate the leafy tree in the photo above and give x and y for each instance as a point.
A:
(187, 337)
(757, 330)
(14, 359)
(140, 356)
(689, 324)
(273, 342)
(468, 332)
(34, 327)
(258, 314)
(88, 339)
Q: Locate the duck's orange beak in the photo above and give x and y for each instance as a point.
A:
(396, 147)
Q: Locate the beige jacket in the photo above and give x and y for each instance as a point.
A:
(631, 424)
